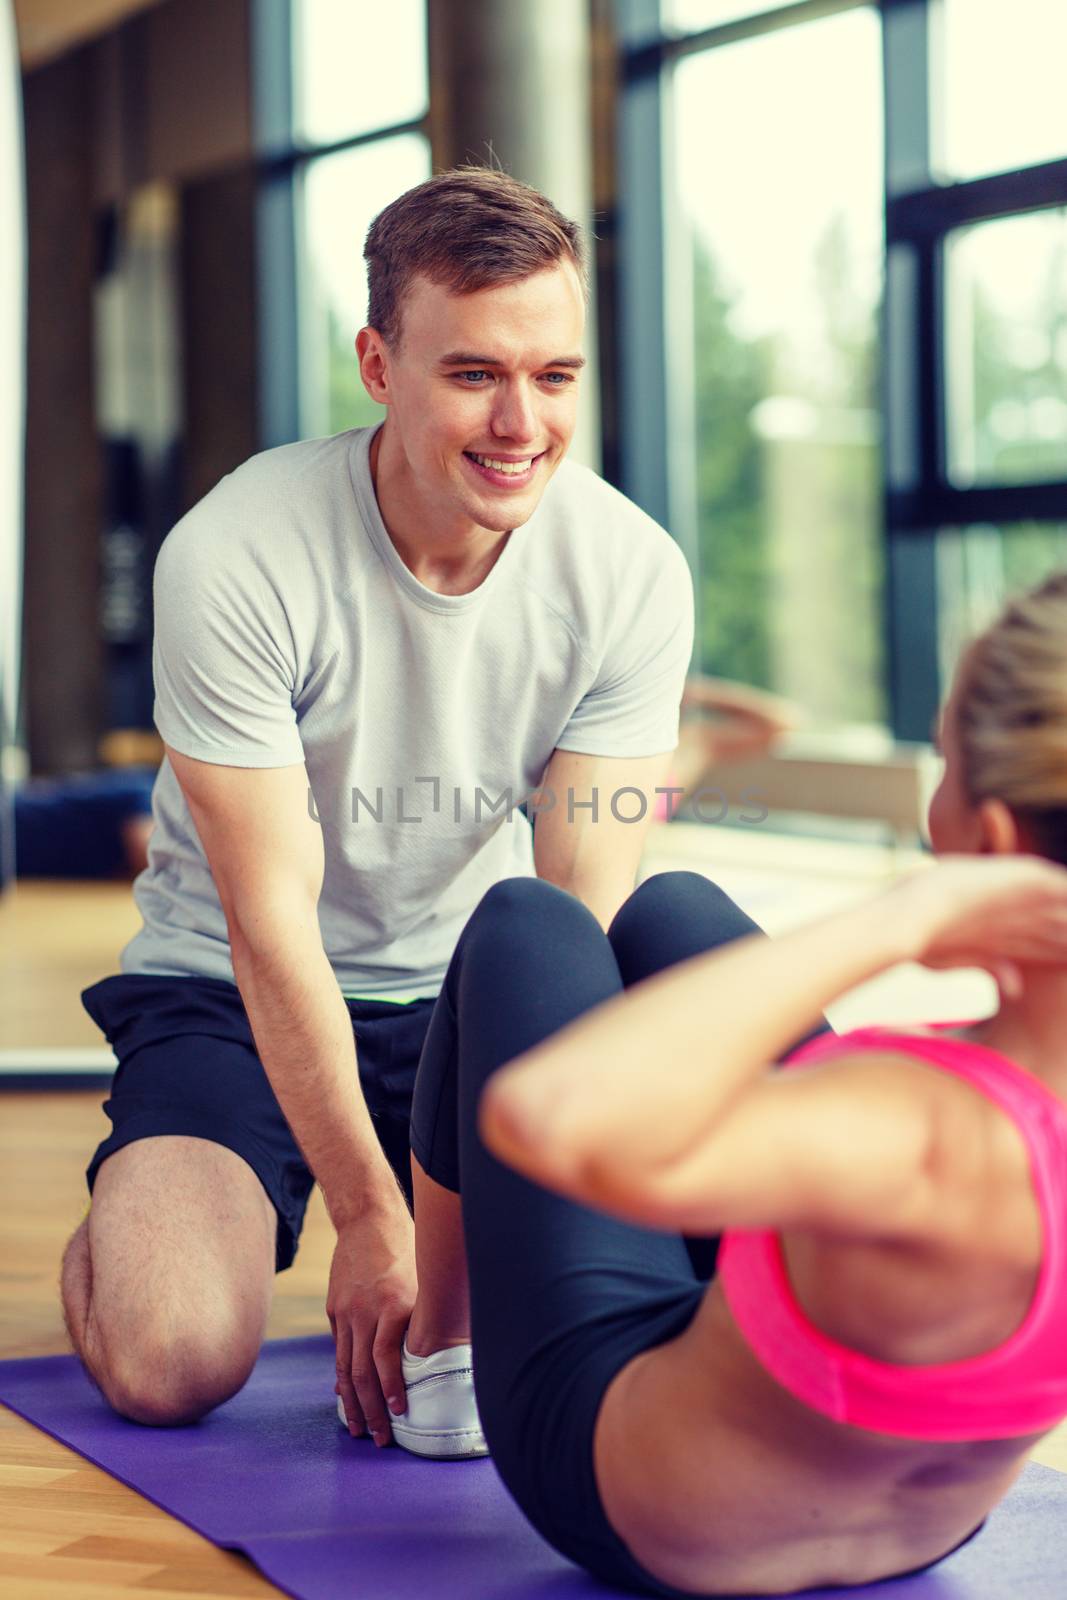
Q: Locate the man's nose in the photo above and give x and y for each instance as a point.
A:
(514, 417)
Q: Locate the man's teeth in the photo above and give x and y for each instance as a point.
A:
(512, 469)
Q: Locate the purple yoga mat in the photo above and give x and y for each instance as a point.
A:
(327, 1517)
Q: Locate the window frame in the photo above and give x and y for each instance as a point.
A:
(282, 159)
(918, 498)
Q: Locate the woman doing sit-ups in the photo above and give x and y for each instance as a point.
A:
(882, 1342)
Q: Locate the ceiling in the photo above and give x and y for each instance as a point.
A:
(47, 28)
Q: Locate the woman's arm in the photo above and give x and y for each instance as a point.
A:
(643, 1082)
(638, 1081)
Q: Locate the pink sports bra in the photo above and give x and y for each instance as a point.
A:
(1018, 1388)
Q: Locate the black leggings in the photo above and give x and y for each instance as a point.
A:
(562, 1297)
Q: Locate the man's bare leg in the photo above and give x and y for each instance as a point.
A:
(167, 1283)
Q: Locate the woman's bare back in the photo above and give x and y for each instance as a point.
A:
(719, 1480)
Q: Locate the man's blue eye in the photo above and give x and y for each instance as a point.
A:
(474, 374)
(564, 378)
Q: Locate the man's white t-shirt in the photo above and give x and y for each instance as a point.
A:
(288, 630)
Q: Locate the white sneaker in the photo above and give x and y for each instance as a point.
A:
(441, 1419)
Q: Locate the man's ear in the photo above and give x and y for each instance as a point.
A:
(998, 830)
(373, 364)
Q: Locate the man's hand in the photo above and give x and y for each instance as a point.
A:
(369, 1303)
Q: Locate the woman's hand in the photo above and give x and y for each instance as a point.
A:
(1000, 913)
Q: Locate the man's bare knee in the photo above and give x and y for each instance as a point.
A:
(76, 1298)
(166, 1285)
(164, 1372)
(76, 1285)
(165, 1383)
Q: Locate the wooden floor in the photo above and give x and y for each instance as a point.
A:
(66, 1528)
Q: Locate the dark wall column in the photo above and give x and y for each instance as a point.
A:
(62, 655)
(218, 319)
(511, 84)
(12, 425)
(151, 118)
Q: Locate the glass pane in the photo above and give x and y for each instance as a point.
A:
(357, 67)
(342, 194)
(690, 16)
(1004, 105)
(1006, 325)
(785, 220)
(978, 568)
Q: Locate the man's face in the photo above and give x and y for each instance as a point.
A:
(482, 394)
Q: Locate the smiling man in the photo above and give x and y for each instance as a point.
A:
(369, 650)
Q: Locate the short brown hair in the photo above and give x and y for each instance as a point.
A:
(467, 229)
(1011, 714)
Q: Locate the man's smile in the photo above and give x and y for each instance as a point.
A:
(506, 472)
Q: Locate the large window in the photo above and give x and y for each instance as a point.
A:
(859, 427)
(342, 101)
(998, 85)
(357, 68)
(1006, 298)
(778, 144)
(342, 194)
(978, 567)
(688, 16)
(359, 79)
(977, 219)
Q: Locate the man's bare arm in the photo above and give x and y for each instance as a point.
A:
(266, 857)
(590, 821)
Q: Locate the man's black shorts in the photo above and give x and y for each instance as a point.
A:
(188, 1065)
